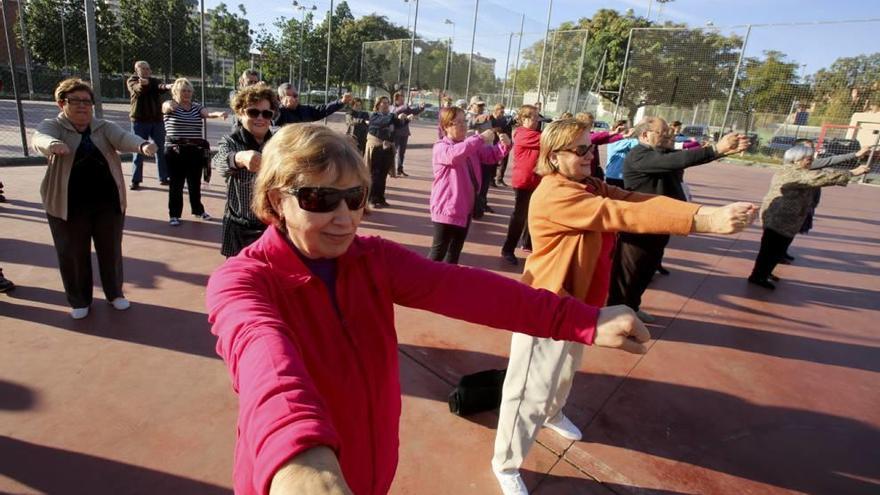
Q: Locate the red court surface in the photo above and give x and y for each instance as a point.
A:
(742, 390)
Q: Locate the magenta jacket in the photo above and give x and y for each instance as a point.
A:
(453, 191)
(308, 376)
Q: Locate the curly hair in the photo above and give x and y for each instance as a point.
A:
(252, 95)
(72, 85)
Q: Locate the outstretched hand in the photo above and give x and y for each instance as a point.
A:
(620, 328)
(728, 219)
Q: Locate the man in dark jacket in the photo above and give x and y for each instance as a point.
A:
(146, 118)
(655, 167)
(402, 132)
(291, 112)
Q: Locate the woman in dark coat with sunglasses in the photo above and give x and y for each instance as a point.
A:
(304, 319)
(238, 159)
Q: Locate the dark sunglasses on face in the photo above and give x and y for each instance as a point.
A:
(580, 150)
(326, 199)
(254, 113)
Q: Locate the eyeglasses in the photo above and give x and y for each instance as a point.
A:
(326, 199)
(255, 112)
(85, 102)
(579, 150)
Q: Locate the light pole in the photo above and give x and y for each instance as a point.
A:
(467, 84)
(544, 51)
(448, 56)
(412, 47)
(63, 37)
(302, 23)
(327, 62)
(170, 50)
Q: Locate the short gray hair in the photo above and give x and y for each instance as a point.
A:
(645, 125)
(282, 89)
(796, 154)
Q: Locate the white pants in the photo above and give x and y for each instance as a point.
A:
(538, 381)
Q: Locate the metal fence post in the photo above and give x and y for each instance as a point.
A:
(735, 78)
(412, 48)
(506, 68)
(544, 51)
(27, 51)
(327, 67)
(24, 148)
(623, 75)
(522, 24)
(467, 84)
(577, 89)
(203, 54)
(94, 70)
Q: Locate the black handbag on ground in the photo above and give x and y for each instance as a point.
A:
(477, 393)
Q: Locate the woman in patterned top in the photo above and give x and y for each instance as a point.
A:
(787, 203)
(186, 152)
(238, 159)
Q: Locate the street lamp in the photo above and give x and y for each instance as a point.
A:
(412, 47)
(302, 50)
(418, 51)
(448, 56)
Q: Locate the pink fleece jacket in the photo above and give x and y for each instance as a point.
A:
(308, 376)
(453, 191)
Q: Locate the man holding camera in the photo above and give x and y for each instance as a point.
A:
(146, 119)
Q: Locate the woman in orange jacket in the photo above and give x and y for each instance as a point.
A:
(573, 221)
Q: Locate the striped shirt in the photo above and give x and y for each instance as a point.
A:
(182, 123)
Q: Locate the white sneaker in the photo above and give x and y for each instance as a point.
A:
(511, 483)
(174, 222)
(645, 317)
(203, 216)
(564, 427)
(79, 313)
(120, 303)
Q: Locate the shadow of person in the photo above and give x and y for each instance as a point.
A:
(14, 397)
(53, 470)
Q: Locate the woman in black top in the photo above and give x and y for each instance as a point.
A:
(358, 123)
(379, 153)
(238, 159)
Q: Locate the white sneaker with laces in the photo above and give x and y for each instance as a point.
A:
(120, 304)
(511, 483)
(174, 222)
(564, 427)
(79, 313)
(203, 216)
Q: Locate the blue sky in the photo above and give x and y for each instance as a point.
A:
(813, 47)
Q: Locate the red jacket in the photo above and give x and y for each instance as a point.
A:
(307, 376)
(526, 147)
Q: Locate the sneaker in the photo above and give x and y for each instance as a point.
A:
(645, 317)
(564, 427)
(135, 186)
(761, 282)
(510, 258)
(772, 278)
(6, 285)
(489, 209)
(402, 173)
(79, 313)
(174, 222)
(203, 216)
(120, 304)
(511, 483)
(788, 257)
(164, 182)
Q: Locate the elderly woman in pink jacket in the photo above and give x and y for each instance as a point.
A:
(457, 175)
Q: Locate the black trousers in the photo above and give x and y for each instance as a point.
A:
(381, 161)
(773, 247)
(184, 166)
(614, 182)
(518, 227)
(502, 167)
(73, 243)
(448, 242)
(400, 143)
(488, 173)
(635, 260)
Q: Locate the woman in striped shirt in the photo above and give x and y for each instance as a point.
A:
(186, 151)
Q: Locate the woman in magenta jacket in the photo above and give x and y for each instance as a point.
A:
(457, 180)
(304, 319)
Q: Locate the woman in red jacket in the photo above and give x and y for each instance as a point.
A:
(305, 322)
(526, 145)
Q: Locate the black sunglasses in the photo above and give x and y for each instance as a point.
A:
(254, 113)
(579, 150)
(326, 199)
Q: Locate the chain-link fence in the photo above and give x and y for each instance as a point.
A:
(777, 83)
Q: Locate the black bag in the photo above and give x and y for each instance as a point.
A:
(477, 393)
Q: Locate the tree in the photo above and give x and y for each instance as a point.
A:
(771, 85)
(162, 32)
(66, 48)
(850, 84)
(229, 33)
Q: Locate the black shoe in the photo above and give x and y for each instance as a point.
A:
(784, 261)
(493, 184)
(772, 278)
(378, 205)
(501, 183)
(6, 285)
(662, 271)
(135, 186)
(164, 182)
(402, 173)
(2, 198)
(788, 257)
(761, 282)
(489, 209)
(510, 258)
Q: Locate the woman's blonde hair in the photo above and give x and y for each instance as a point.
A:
(252, 95)
(557, 136)
(302, 154)
(179, 84)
